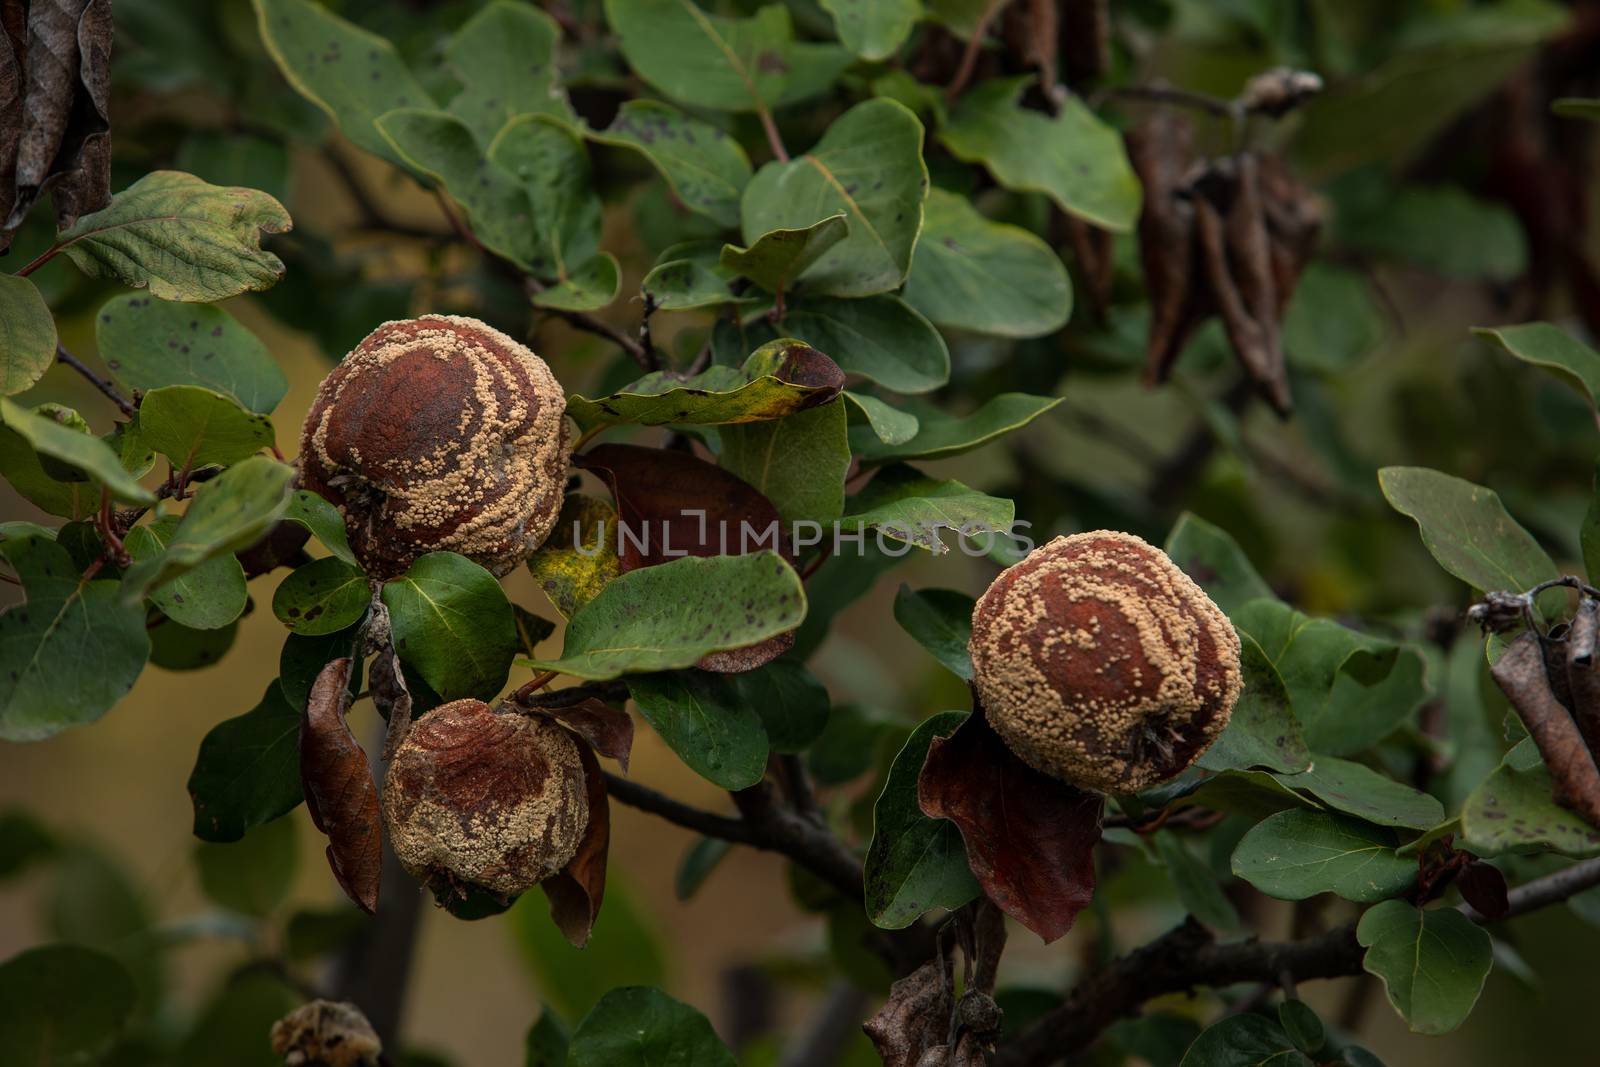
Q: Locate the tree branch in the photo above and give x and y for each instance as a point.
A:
(645, 357)
(103, 384)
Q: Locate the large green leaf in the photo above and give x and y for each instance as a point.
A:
(703, 718)
(792, 704)
(323, 520)
(1467, 529)
(889, 425)
(1513, 811)
(970, 273)
(776, 258)
(669, 616)
(868, 166)
(798, 462)
(691, 275)
(1544, 345)
(247, 771)
(322, 597)
(70, 651)
(181, 238)
(149, 343)
(588, 286)
(208, 597)
(873, 29)
(251, 876)
(229, 513)
(549, 160)
(353, 75)
(643, 1027)
(195, 427)
(1244, 1040)
(1196, 883)
(881, 337)
(61, 1004)
(1359, 790)
(27, 335)
(453, 625)
(1433, 963)
(907, 506)
(1215, 561)
(705, 60)
(49, 438)
(1441, 229)
(505, 59)
(705, 167)
(1074, 158)
(940, 435)
(914, 863)
(1262, 731)
(1332, 321)
(941, 622)
(1297, 854)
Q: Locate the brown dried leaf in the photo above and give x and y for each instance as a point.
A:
(608, 730)
(392, 696)
(1030, 838)
(340, 793)
(13, 92)
(915, 1019)
(1520, 674)
(1031, 32)
(1483, 886)
(577, 890)
(748, 658)
(327, 1032)
(1160, 150)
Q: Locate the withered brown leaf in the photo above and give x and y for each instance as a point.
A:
(340, 792)
(608, 730)
(915, 1019)
(1520, 673)
(576, 891)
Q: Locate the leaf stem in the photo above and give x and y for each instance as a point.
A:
(774, 139)
(40, 260)
(103, 384)
(969, 57)
(645, 357)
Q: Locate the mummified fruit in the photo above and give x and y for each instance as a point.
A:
(485, 799)
(439, 434)
(326, 1033)
(1099, 662)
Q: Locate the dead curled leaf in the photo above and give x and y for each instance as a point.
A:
(608, 730)
(1521, 674)
(1030, 838)
(576, 891)
(915, 1019)
(340, 792)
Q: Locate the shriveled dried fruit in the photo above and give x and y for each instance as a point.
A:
(476, 798)
(326, 1033)
(439, 434)
(1099, 662)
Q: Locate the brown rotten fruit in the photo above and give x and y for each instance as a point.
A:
(1099, 662)
(476, 798)
(439, 434)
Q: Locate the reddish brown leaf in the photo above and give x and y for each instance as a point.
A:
(915, 1019)
(1484, 887)
(1160, 150)
(1520, 674)
(577, 890)
(278, 547)
(748, 658)
(13, 91)
(608, 730)
(803, 365)
(340, 793)
(392, 696)
(1030, 838)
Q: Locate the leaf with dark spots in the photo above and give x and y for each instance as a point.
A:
(673, 504)
(340, 793)
(608, 730)
(577, 890)
(915, 1019)
(1030, 838)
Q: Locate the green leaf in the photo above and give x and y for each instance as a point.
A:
(777, 257)
(195, 427)
(868, 166)
(1215, 561)
(1442, 229)
(49, 438)
(351, 74)
(322, 597)
(181, 238)
(888, 424)
(814, 70)
(27, 335)
(1332, 321)
(1073, 158)
(1576, 107)
(718, 396)
(969, 273)
(1544, 345)
(706, 168)
(505, 59)
(61, 1004)
(690, 275)
(940, 435)
(798, 462)
(881, 338)
(590, 286)
(323, 520)
(623, 949)
(1513, 811)
(941, 622)
(1361, 791)
(643, 1027)
(580, 555)
(549, 160)
(175, 647)
(792, 704)
(303, 658)
(1198, 889)
(1262, 732)
(248, 770)
(1297, 854)
(1244, 1040)
(669, 616)
(453, 625)
(547, 1042)
(208, 597)
(228, 1031)
(149, 343)
(873, 29)
(914, 863)
(704, 60)
(1433, 963)
(230, 512)
(906, 505)
(702, 718)
(1467, 529)
(251, 876)
(70, 651)
(1300, 1022)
